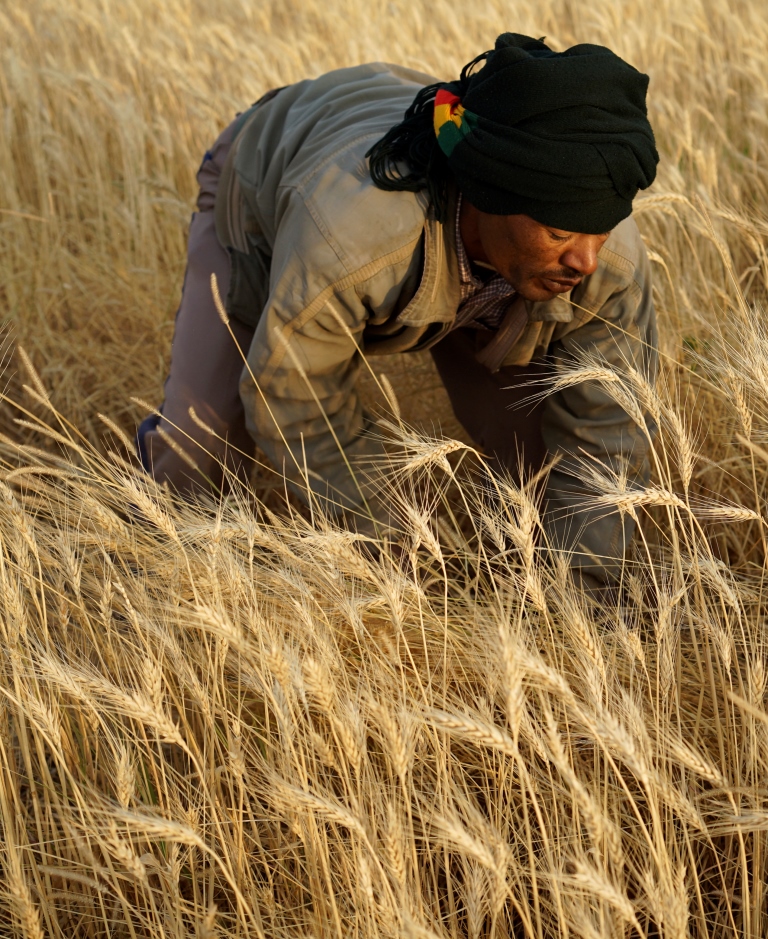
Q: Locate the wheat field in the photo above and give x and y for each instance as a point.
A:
(225, 720)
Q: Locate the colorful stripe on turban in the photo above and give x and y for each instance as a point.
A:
(452, 120)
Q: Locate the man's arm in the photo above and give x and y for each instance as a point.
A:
(585, 421)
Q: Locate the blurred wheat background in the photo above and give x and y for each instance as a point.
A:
(226, 720)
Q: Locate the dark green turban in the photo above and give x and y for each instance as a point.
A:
(563, 137)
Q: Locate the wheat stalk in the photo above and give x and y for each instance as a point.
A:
(224, 716)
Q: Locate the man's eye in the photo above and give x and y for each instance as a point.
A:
(556, 237)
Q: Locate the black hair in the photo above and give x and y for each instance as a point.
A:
(413, 142)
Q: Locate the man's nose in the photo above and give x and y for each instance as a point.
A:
(582, 256)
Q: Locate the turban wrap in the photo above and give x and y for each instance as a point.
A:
(561, 137)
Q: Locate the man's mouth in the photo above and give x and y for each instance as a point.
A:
(560, 284)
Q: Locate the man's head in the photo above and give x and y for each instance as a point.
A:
(560, 137)
(539, 261)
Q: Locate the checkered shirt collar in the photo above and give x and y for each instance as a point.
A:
(469, 283)
(483, 303)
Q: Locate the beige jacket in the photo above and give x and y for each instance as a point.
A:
(324, 263)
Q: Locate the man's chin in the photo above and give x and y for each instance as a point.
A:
(536, 293)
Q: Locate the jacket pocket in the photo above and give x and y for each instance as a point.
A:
(248, 286)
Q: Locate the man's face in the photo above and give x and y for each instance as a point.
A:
(538, 260)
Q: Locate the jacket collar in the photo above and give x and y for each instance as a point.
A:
(438, 295)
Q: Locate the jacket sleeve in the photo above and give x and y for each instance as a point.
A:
(299, 385)
(583, 421)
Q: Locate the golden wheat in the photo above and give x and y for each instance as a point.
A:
(224, 718)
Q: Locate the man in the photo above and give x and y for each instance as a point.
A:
(491, 225)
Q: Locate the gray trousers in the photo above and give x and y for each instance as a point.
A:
(206, 365)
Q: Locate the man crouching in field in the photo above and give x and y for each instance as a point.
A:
(490, 225)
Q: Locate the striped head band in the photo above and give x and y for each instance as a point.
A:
(452, 120)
